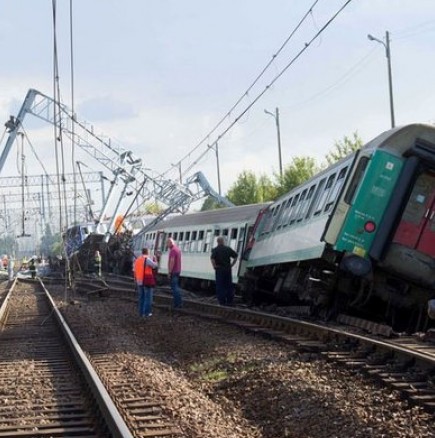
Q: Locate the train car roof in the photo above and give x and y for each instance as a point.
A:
(402, 138)
(240, 213)
(397, 140)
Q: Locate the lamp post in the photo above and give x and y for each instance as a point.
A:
(278, 134)
(390, 80)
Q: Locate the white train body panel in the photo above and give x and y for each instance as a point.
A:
(292, 228)
(301, 242)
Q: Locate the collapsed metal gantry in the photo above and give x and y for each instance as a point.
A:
(123, 164)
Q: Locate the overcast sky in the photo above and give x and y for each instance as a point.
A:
(158, 75)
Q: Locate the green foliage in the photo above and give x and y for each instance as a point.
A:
(297, 172)
(152, 208)
(344, 147)
(210, 203)
(248, 189)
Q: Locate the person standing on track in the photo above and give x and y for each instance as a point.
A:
(223, 258)
(144, 296)
(149, 282)
(174, 270)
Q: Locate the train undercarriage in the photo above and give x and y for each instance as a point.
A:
(381, 296)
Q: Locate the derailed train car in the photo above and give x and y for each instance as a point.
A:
(357, 238)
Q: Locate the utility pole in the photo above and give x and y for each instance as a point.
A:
(390, 75)
(218, 169)
(278, 135)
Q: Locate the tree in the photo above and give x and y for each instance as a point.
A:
(210, 203)
(248, 189)
(343, 148)
(297, 172)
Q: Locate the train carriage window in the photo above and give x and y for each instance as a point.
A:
(225, 232)
(287, 212)
(233, 238)
(187, 242)
(216, 232)
(307, 203)
(316, 199)
(200, 240)
(278, 214)
(163, 246)
(292, 215)
(240, 240)
(266, 222)
(175, 236)
(283, 214)
(207, 242)
(336, 190)
(312, 200)
(356, 179)
(303, 203)
(194, 242)
(323, 195)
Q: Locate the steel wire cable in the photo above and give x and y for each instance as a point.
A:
(245, 94)
(258, 97)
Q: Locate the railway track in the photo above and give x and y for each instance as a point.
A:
(46, 386)
(141, 411)
(403, 363)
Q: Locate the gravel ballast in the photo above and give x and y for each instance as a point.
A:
(217, 381)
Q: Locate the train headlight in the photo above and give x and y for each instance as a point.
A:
(369, 227)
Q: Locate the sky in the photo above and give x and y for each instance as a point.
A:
(159, 75)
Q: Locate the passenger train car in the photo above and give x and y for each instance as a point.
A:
(195, 234)
(357, 238)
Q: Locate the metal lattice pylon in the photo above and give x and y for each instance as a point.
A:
(120, 162)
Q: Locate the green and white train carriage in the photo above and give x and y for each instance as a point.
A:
(196, 234)
(371, 215)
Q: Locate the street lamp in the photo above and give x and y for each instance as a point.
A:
(276, 117)
(390, 80)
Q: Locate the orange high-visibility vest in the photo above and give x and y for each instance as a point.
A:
(139, 268)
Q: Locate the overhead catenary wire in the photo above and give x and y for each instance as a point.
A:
(55, 112)
(246, 92)
(349, 74)
(59, 144)
(47, 175)
(271, 83)
(73, 161)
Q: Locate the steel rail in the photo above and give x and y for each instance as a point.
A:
(114, 420)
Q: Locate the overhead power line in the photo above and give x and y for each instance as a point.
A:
(246, 92)
(258, 97)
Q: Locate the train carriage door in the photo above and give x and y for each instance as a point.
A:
(417, 225)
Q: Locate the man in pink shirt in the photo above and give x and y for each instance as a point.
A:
(174, 270)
